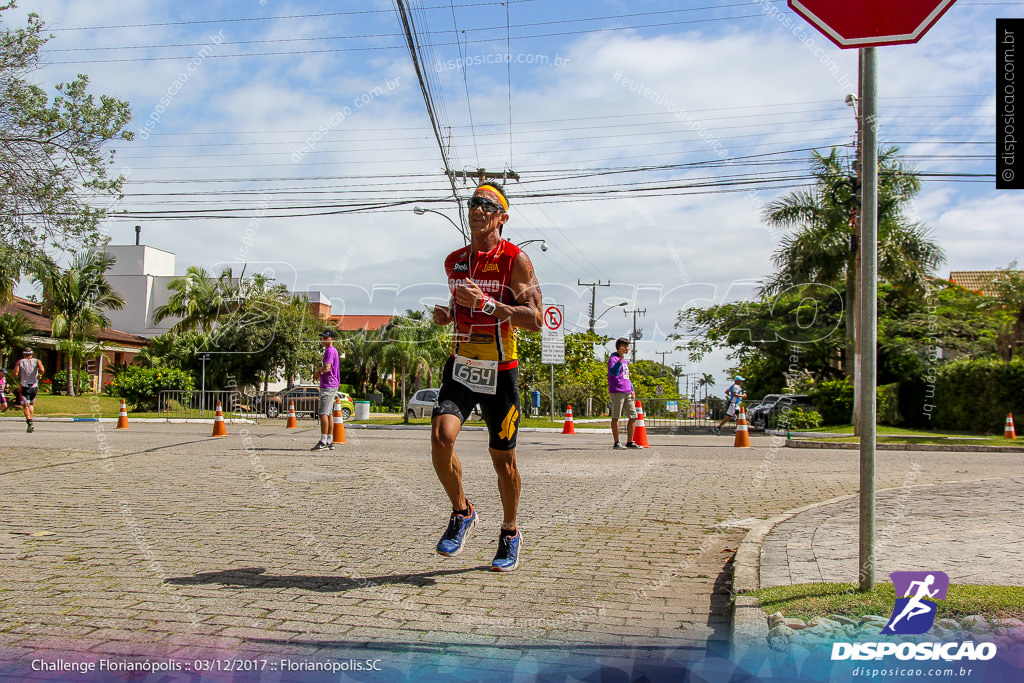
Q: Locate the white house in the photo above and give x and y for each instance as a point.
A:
(141, 274)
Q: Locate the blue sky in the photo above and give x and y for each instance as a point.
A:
(647, 136)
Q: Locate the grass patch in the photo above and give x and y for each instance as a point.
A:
(932, 440)
(807, 600)
(526, 422)
(90, 405)
(896, 431)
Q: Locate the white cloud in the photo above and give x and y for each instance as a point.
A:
(752, 87)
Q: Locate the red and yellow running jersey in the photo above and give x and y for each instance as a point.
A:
(476, 334)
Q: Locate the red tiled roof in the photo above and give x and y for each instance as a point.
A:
(41, 324)
(360, 322)
(980, 281)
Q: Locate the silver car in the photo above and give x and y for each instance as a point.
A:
(422, 403)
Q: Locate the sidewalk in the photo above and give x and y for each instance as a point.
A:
(971, 530)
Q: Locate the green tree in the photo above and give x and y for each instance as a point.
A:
(10, 274)
(198, 300)
(251, 330)
(411, 346)
(14, 331)
(912, 330)
(54, 162)
(296, 341)
(363, 350)
(822, 219)
(582, 376)
(772, 337)
(76, 300)
(1009, 289)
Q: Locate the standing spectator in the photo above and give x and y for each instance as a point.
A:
(330, 381)
(28, 371)
(735, 396)
(3, 390)
(620, 390)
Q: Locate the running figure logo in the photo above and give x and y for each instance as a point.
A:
(912, 615)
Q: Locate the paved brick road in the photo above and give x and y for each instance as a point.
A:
(175, 544)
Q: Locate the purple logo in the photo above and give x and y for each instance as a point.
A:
(914, 612)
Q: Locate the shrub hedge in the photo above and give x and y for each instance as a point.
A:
(140, 387)
(974, 395)
(834, 400)
(796, 418)
(82, 386)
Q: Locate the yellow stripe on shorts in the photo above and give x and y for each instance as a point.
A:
(508, 425)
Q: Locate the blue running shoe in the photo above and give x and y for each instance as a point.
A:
(459, 526)
(507, 557)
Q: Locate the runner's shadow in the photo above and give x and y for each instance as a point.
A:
(255, 577)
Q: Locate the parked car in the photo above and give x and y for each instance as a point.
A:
(753, 415)
(306, 400)
(785, 403)
(423, 401)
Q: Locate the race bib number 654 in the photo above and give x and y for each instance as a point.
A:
(480, 376)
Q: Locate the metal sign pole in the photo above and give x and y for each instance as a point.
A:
(868, 305)
(552, 366)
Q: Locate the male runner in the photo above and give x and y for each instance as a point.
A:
(494, 291)
(735, 395)
(28, 372)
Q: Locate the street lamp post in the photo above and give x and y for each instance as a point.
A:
(543, 244)
(592, 322)
(419, 211)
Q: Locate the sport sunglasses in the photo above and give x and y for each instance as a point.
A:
(484, 204)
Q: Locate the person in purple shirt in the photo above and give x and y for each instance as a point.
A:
(330, 380)
(620, 389)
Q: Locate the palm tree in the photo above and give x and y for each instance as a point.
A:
(707, 380)
(10, 274)
(14, 331)
(76, 300)
(821, 247)
(412, 347)
(363, 349)
(198, 300)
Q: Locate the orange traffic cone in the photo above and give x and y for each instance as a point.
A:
(640, 429)
(742, 435)
(1009, 432)
(122, 417)
(569, 427)
(292, 422)
(218, 423)
(339, 424)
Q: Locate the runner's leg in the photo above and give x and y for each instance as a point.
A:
(443, 431)
(509, 484)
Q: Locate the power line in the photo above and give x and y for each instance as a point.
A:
(429, 102)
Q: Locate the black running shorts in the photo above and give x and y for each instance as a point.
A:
(28, 395)
(500, 411)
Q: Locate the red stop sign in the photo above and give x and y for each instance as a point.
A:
(869, 23)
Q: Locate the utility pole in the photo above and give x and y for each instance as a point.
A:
(481, 175)
(593, 297)
(662, 354)
(635, 334)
